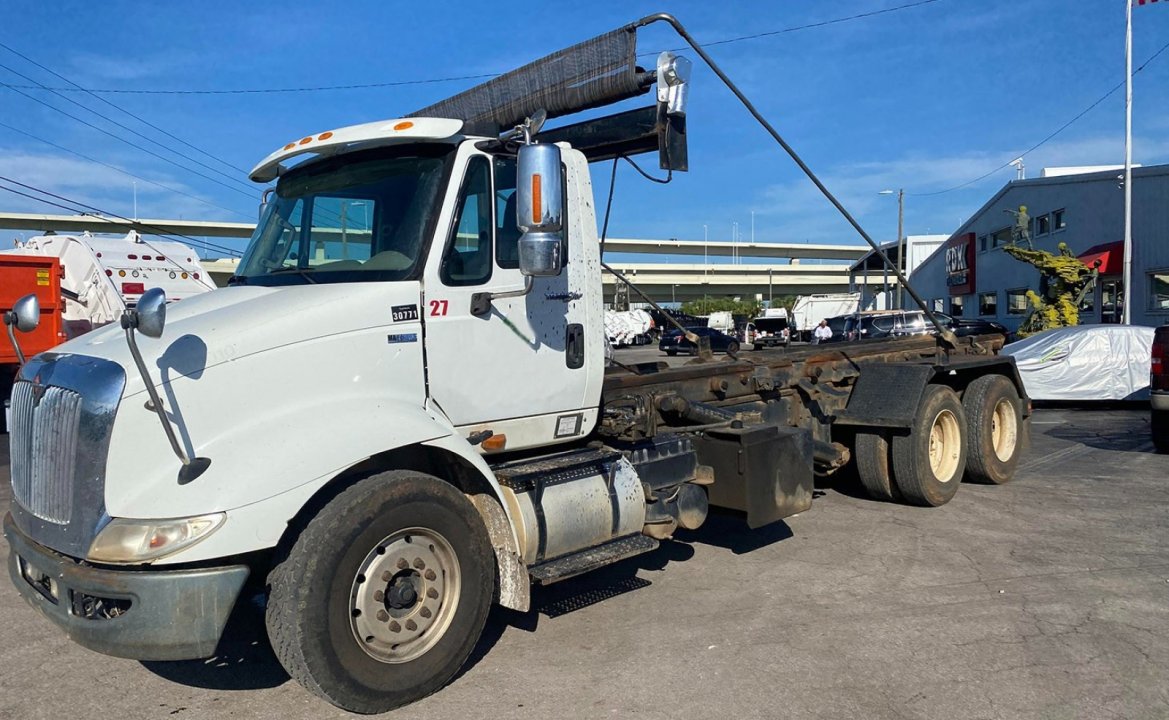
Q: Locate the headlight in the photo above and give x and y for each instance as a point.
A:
(138, 541)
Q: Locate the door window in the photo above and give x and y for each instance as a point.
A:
(467, 260)
(507, 233)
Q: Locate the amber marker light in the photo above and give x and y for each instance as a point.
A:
(306, 141)
(495, 443)
(404, 125)
(537, 200)
(325, 135)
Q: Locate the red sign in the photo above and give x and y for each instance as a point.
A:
(960, 251)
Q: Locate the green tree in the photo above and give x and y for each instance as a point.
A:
(706, 306)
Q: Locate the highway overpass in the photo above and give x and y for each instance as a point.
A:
(664, 282)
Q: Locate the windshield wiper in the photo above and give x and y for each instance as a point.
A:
(237, 280)
(303, 272)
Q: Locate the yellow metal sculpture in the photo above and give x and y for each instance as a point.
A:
(1069, 281)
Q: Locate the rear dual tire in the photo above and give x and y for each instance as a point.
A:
(923, 466)
(994, 412)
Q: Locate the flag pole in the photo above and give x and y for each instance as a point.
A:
(1126, 317)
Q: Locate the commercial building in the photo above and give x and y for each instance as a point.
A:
(971, 276)
(877, 284)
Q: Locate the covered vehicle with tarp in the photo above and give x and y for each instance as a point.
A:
(1088, 362)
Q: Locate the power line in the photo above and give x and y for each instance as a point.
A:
(104, 215)
(1044, 141)
(809, 26)
(124, 172)
(127, 128)
(131, 144)
(120, 109)
(397, 83)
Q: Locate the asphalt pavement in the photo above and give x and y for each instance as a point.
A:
(1044, 598)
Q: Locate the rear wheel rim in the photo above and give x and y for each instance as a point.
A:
(945, 446)
(404, 595)
(1004, 430)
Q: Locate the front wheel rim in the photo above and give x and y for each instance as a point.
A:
(945, 448)
(404, 595)
(1004, 430)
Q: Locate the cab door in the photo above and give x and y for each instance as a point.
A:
(522, 366)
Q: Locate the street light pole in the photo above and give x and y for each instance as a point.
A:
(901, 264)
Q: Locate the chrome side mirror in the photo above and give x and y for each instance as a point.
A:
(150, 314)
(539, 209)
(25, 314)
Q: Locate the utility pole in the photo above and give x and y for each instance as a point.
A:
(1126, 315)
(901, 245)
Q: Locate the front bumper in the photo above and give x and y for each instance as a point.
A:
(139, 614)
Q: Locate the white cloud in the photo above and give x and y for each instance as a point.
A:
(98, 186)
(804, 213)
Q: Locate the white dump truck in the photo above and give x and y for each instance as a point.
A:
(384, 427)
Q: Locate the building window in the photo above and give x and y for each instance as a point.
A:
(982, 244)
(938, 305)
(988, 303)
(956, 304)
(1042, 225)
(1000, 238)
(1058, 222)
(1017, 302)
(1159, 290)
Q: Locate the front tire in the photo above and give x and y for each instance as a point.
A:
(994, 414)
(928, 462)
(732, 348)
(382, 597)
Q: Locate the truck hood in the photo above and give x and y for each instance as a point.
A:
(234, 322)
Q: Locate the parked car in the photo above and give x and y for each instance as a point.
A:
(879, 324)
(971, 326)
(674, 342)
(1159, 389)
(1086, 362)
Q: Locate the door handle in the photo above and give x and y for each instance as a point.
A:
(574, 342)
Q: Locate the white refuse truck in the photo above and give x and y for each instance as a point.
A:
(809, 310)
(102, 275)
(382, 432)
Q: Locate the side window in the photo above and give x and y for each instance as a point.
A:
(507, 233)
(467, 260)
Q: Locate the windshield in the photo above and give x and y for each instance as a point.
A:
(348, 220)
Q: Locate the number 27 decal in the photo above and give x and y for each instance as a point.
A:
(438, 308)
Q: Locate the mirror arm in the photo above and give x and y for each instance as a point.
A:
(129, 322)
(9, 323)
(481, 301)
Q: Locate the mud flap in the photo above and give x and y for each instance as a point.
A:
(763, 470)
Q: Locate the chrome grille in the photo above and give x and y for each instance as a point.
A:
(44, 449)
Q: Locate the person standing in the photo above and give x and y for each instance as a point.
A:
(822, 332)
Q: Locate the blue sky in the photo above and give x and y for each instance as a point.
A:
(924, 98)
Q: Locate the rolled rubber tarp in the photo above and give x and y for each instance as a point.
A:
(1088, 362)
(589, 74)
